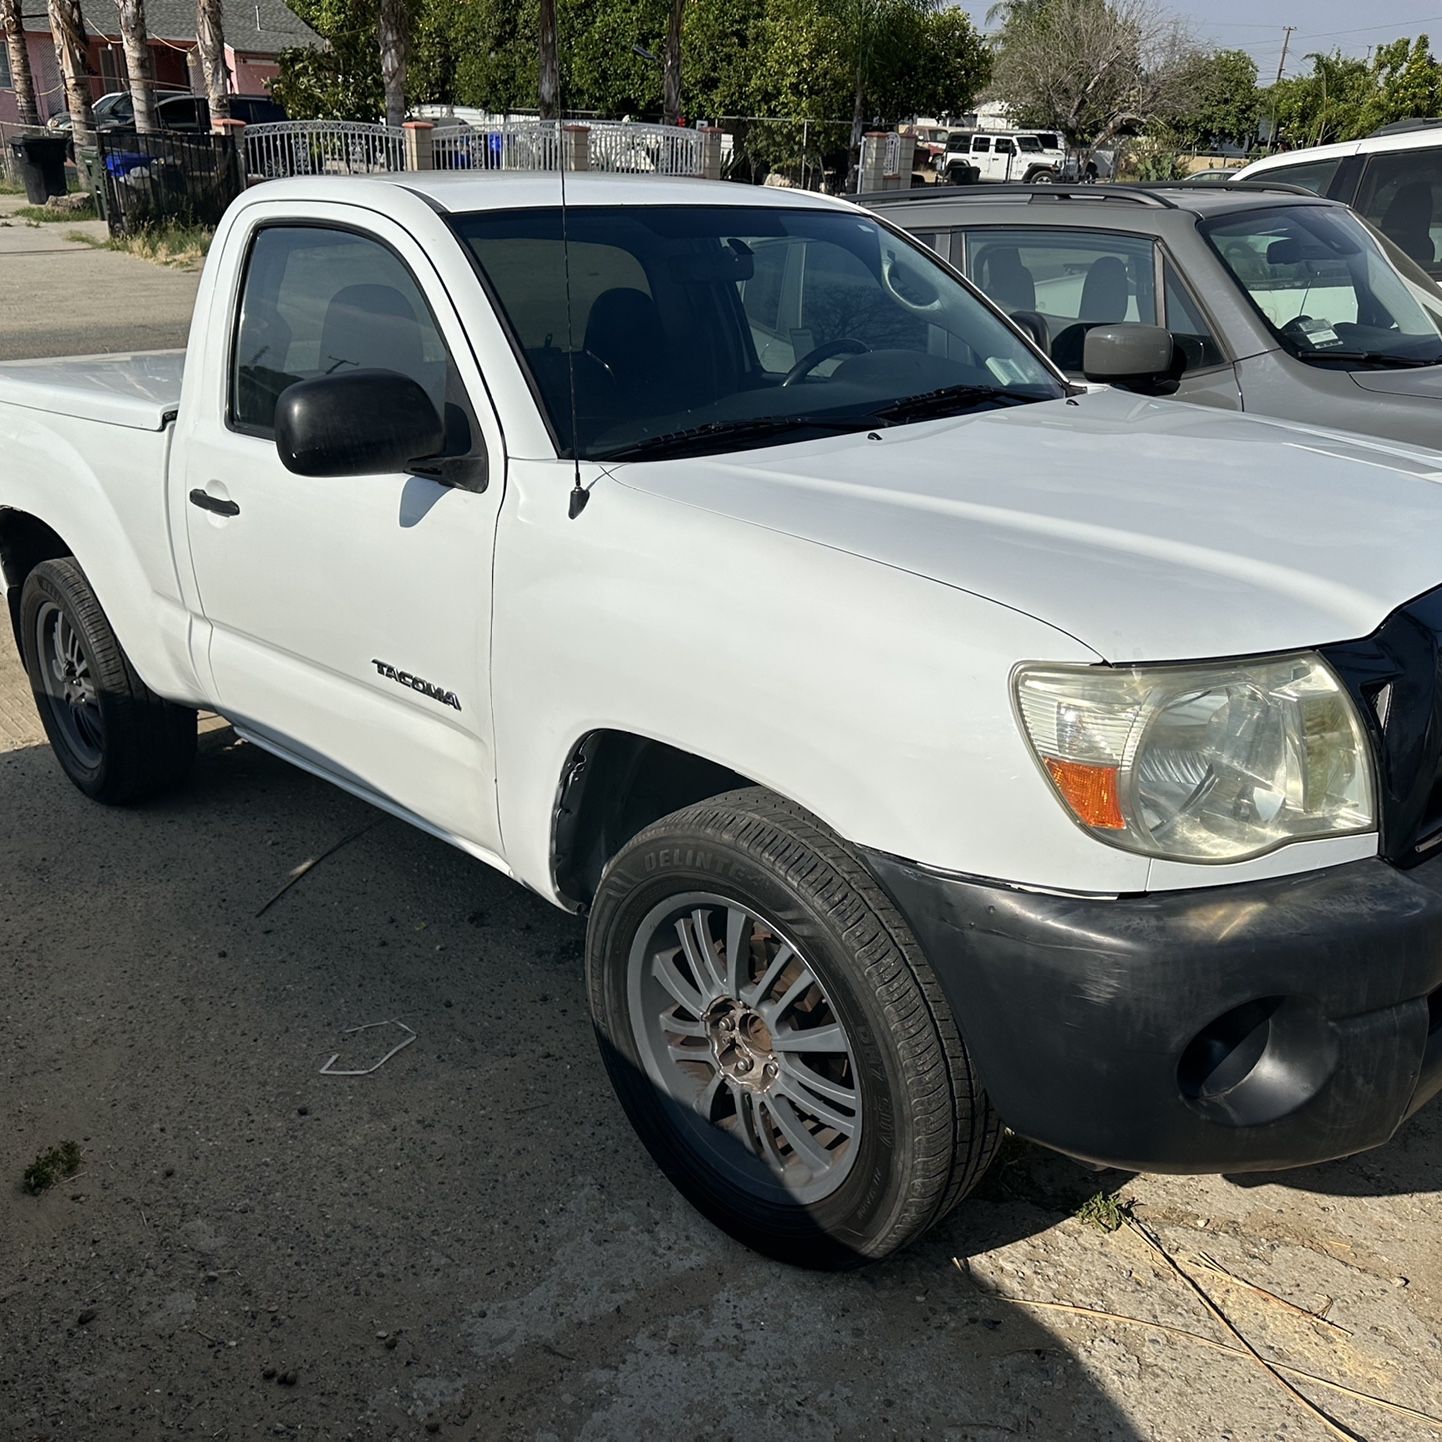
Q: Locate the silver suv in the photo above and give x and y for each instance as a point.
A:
(1276, 300)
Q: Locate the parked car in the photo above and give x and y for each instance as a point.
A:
(112, 109)
(176, 110)
(1277, 301)
(1002, 155)
(1391, 178)
(929, 746)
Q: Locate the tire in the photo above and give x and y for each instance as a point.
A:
(1044, 175)
(708, 1084)
(113, 736)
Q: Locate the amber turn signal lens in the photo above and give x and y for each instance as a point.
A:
(1090, 791)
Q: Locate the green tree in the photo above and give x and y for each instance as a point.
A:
(1405, 82)
(1222, 105)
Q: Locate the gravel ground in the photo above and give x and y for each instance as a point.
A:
(470, 1243)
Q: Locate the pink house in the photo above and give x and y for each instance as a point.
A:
(256, 31)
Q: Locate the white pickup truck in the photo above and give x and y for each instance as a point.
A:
(931, 747)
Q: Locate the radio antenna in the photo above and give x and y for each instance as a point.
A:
(579, 494)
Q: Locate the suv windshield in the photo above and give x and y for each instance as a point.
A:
(1326, 285)
(713, 327)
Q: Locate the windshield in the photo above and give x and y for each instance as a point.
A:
(1328, 289)
(711, 327)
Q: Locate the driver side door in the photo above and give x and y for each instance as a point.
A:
(348, 617)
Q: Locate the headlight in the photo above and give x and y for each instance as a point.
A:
(1214, 762)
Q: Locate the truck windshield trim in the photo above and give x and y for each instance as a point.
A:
(748, 325)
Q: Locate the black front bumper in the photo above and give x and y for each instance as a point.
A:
(1267, 1024)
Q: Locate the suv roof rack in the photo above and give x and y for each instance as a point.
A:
(982, 192)
(1413, 122)
(1260, 183)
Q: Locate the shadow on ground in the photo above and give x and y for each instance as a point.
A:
(471, 1235)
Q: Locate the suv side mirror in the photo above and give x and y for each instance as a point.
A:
(356, 423)
(1141, 358)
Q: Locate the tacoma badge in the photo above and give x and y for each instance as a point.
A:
(426, 688)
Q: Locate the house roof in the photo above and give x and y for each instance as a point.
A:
(263, 25)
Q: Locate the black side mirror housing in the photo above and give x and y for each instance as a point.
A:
(1141, 358)
(357, 423)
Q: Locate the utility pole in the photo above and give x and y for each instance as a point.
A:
(1281, 66)
(1286, 41)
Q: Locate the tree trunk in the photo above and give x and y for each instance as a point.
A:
(20, 76)
(138, 62)
(210, 41)
(394, 30)
(550, 69)
(67, 28)
(671, 68)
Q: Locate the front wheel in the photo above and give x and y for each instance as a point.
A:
(776, 1037)
(114, 738)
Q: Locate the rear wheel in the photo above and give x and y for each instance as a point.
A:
(776, 1037)
(114, 738)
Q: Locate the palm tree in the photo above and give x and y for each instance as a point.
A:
(20, 76)
(671, 66)
(138, 62)
(394, 38)
(210, 41)
(67, 28)
(550, 68)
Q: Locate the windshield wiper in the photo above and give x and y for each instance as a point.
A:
(674, 443)
(947, 400)
(1381, 359)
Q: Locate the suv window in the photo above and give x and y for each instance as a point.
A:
(1028, 144)
(1184, 320)
(318, 301)
(1006, 147)
(980, 142)
(1313, 175)
(1071, 279)
(1401, 194)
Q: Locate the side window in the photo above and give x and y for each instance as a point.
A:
(1070, 280)
(316, 302)
(1185, 321)
(1313, 175)
(980, 143)
(1005, 147)
(1401, 194)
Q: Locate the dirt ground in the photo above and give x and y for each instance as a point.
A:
(469, 1242)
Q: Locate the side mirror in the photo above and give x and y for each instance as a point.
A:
(356, 423)
(1141, 358)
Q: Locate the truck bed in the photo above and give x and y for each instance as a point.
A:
(140, 392)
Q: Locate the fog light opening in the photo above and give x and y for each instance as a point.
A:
(1223, 1055)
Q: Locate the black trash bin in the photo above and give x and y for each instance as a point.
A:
(41, 162)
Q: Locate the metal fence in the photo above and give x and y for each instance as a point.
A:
(168, 178)
(645, 149)
(322, 147)
(501, 145)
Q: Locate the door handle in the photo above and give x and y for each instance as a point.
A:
(207, 502)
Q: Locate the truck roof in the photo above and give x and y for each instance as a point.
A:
(458, 191)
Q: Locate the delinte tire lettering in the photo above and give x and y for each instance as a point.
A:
(426, 688)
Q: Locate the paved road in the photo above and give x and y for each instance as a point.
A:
(471, 1237)
(60, 296)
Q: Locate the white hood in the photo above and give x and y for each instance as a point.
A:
(1148, 530)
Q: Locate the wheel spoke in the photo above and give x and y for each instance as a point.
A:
(680, 1026)
(705, 1102)
(738, 952)
(746, 1128)
(695, 942)
(802, 1142)
(665, 970)
(821, 1038)
(757, 994)
(771, 1149)
(803, 1076)
(794, 992)
(822, 1111)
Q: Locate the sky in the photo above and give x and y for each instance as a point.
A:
(1256, 26)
